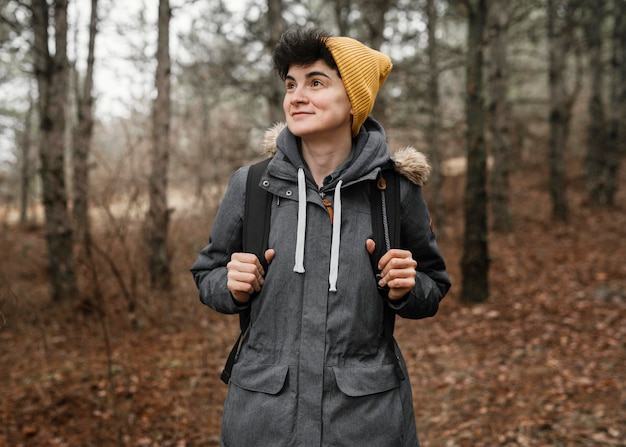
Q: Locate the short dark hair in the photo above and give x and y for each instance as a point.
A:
(302, 46)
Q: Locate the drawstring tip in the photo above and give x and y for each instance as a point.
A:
(298, 268)
(332, 289)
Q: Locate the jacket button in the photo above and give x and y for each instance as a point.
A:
(288, 193)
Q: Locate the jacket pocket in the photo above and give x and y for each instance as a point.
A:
(268, 379)
(365, 408)
(363, 381)
(259, 408)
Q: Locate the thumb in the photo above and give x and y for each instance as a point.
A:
(370, 245)
(269, 255)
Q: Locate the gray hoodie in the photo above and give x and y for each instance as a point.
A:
(315, 367)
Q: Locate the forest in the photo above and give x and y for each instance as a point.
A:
(122, 122)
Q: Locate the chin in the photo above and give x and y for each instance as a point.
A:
(299, 130)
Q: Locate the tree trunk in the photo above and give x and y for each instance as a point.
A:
(52, 72)
(559, 112)
(475, 261)
(26, 169)
(617, 135)
(376, 22)
(434, 116)
(342, 9)
(276, 27)
(620, 75)
(158, 214)
(596, 160)
(500, 117)
(82, 138)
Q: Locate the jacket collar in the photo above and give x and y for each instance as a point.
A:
(408, 161)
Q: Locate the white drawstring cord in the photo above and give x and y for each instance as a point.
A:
(299, 262)
(336, 240)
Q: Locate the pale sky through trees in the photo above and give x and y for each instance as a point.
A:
(119, 81)
(125, 63)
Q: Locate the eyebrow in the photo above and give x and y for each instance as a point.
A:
(309, 75)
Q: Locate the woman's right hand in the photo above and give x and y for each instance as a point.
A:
(246, 274)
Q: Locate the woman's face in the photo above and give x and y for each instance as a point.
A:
(316, 103)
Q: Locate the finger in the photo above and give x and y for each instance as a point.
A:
(240, 291)
(404, 280)
(246, 262)
(396, 265)
(245, 267)
(237, 288)
(246, 258)
(370, 246)
(393, 254)
(392, 277)
(245, 281)
(399, 287)
(248, 273)
(269, 255)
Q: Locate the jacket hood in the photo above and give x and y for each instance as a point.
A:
(369, 153)
(408, 161)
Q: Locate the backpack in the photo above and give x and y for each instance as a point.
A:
(385, 212)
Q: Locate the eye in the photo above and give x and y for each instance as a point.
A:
(290, 85)
(317, 83)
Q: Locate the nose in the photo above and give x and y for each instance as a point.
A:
(297, 96)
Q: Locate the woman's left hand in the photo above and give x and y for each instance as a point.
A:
(397, 270)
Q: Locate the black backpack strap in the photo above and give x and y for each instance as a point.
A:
(385, 212)
(230, 361)
(256, 226)
(256, 216)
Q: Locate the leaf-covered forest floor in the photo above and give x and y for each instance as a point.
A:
(541, 363)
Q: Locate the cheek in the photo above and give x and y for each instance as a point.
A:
(343, 103)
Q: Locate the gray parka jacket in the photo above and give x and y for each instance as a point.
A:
(315, 367)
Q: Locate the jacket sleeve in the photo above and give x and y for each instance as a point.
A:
(431, 281)
(209, 270)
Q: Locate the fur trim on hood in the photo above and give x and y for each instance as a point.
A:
(412, 164)
(408, 161)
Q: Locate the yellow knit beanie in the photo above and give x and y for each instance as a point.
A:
(363, 71)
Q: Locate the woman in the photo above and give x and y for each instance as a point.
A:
(318, 366)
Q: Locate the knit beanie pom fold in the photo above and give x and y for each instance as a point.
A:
(363, 71)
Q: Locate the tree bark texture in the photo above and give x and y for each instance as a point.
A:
(83, 137)
(432, 133)
(558, 44)
(616, 143)
(158, 214)
(342, 10)
(373, 14)
(26, 171)
(499, 117)
(620, 74)
(276, 26)
(375, 20)
(475, 260)
(52, 73)
(596, 160)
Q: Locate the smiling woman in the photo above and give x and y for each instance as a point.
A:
(318, 364)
